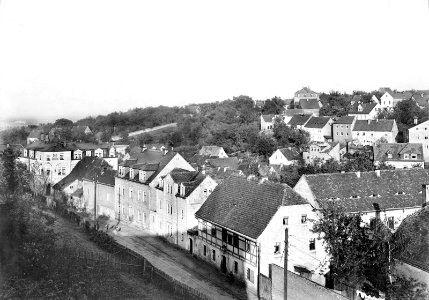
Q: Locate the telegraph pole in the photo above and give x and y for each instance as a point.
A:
(285, 263)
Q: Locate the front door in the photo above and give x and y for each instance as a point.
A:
(223, 264)
(190, 245)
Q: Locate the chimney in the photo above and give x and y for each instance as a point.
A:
(425, 194)
(377, 172)
(415, 120)
(377, 210)
(358, 174)
(369, 121)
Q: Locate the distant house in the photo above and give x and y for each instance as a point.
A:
(420, 134)
(284, 156)
(390, 195)
(342, 129)
(390, 98)
(241, 230)
(299, 121)
(79, 130)
(231, 163)
(307, 95)
(213, 151)
(367, 132)
(267, 122)
(364, 111)
(322, 152)
(39, 134)
(319, 128)
(399, 155)
(289, 113)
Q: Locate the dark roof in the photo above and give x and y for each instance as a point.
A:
(210, 150)
(309, 103)
(289, 153)
(366, 108)
(299, 120)
(106, 177)
(147, 156)
(246, 207)
(77, 193)
(317, 122)
(199, 160)
(345, 120)
(227, 162)
(51, 147)
(374, 125)
(421, 99)
(180, 175)
(392, 189)
(268, 118)
(396, 149)
(86, 168)
(163, 162)
(305, 90)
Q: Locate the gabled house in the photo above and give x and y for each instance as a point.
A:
(80, 130)
(390, 98)
(342, 129)
(267, 122)
(319, 128)
(390, 195)
(241, 229)
(298, 121)
(364, 111)
(284, 157)
(213, 151)
(420, 134)
(399, 155)
(305, 94)
(180, 194)
(322, 152)
(367, 132)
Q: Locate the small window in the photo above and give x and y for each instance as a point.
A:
(303, 219)
(277, 248)
(205, 250)
(286, 221)
(235, 267)
(250, 275)
(312, 245)
(213, 231)
(214, 255)
(391, 222)
(182, 214)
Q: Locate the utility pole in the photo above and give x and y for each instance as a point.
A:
(285, 263)
(95, 197)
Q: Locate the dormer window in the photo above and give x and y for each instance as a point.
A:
(182, 190)
(142, 176)
(355, 197)
(121, 171)
(374, 195)
(131, 173)
(406, 156)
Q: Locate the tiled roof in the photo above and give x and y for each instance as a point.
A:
(106, 177)
(309, 103)
(290, 154)
(374, 125)
(246, 207)
(295, 111)
(392, 189)
(77, 193)
(163, 162)
(366, 108)
(299, 120)
(51, 147)
(317, 122)
(396, 149)
(357, 98)
(345, 120)
(421, 99)
(305, 90)
(268, 118)
(228, 162)
(87, 167)
(210, 150)
(180, 175)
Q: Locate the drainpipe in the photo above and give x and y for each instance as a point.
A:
(259, 270)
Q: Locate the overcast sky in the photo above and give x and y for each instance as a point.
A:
(78, 58)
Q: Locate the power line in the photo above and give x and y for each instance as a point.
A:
(307, 254)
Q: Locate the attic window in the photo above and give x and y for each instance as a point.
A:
(355, 197)
(400, 193)
(375, 195)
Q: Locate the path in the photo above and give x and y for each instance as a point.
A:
(133, 133)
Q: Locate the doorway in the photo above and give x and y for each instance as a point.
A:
(191, 246)
(223, 264)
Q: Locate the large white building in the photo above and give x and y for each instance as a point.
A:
(420, 134)
(368, 132)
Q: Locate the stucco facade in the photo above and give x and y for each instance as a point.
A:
(420, 134)
(100, 196)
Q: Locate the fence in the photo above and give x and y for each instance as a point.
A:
(126, 260)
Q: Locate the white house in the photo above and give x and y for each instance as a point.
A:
(390, 98)
(420, 134)
(284, 156)
(213, 151)
(399, 155)
(319, 128)
(242, 230)
(299, 121)
(367, 132)
(322, 152)
(365, 111)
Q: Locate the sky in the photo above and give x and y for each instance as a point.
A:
(76, 58)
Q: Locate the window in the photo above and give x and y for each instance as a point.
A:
(406, 156)
(131, 193)
(389, 155)
(214, 255)
(230, 238)
(248, 248)
(54, 156)
(61, 156)
(139, 213)
(138, 195)
(183, 236)
(213, 231)
(204, 227)
(131, 173)
(235, 267)
(277, 248)
(123, 190)
(286, 221)
(250, 275)
(182, 214)
(144, 196)
(205, 250)
(391, 222)
(303, 219)
(312, 244)
(205, 193)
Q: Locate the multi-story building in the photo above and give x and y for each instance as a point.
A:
(241, 229)
(284, 157)
(365, 111)
(420, 134)
(342, 129)
(305, 95)
(299, 121)
(319, 128)
(399, 155)
(367, 132)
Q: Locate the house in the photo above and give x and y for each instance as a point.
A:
(136, 201)
(80, 130)
(98, 192)
(399, 155)
(319, 128)
(342, 129)
(241, 229)
(390, 98)
(284, 156)
(38, 134)
(367, 132)
(85, 168)
(390, 195)
(267, 122)
(307, 95)
(364, 111)
(213, 151)
(289, 113)
(322, 152)
(226, 162)
(180, 194)
(298, 121)
(420, 134)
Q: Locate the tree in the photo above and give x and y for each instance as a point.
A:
(289, 136)
(273, 106)
(265, 146)
(63, 123)
(357, 251)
